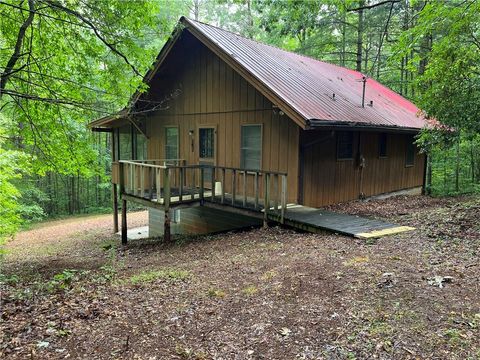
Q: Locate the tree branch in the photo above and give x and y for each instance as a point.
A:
(95, 31)
(366, 7)
(18, 47)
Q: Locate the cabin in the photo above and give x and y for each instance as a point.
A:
(233, 132)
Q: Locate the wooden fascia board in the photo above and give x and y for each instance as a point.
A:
(249, 77)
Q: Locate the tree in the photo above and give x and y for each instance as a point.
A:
(63, 64)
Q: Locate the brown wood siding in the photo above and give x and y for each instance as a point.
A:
(327, 180)
(213, 94)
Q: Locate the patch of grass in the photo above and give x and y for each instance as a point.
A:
(250, 290)
(154, 275)
(454, 336)
(218, 293)
(357, 260)
(269, 275)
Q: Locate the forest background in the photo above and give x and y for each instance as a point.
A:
(65, 63)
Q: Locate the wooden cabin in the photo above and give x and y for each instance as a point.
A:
(246, 128)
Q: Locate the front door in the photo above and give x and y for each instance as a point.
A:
(207, 136)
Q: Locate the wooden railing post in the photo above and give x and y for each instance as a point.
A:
(142, 181)
(266, 194)
(275, 193)
(166, 204)
(284, 199)
(234, 186)
(166, 188)
(213, 183)
(124, 203)
(180, 190)
(223, 185)
(244, 188)
(158, 187)
(256, 190)
(202, 183)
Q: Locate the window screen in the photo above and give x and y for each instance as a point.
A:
(251, 147)
(382, 145)
(171, 143)
(207, 143)
(410, 151)
(345, 145)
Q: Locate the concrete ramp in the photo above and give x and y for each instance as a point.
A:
(312, 220)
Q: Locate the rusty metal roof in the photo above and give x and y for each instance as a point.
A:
(308, 85)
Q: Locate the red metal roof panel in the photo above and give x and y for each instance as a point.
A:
(308, 85)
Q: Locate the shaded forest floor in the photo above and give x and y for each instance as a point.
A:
(69, 290)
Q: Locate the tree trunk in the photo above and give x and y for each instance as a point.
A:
(360, 35)
(457, 165)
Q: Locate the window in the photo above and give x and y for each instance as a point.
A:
(345, 145)
(382, 145)
(207, 143)
(131, 143)
(140, 143)
(171, 143)
(410, 151)
(125, 147)
(251, 147)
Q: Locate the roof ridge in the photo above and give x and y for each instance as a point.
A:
(275, 47)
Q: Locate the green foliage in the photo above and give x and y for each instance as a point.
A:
(449, 88)
(78, 60)
(62, 281)
(12, 165)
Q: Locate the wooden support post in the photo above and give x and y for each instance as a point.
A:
(167, 237)
(124, 222)
(266, 195)
(115, 208)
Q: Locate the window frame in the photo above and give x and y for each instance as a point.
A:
(351, 133)
(409, 144)
(260, 165)
(215, 143)
(165, 128)
(384, 136)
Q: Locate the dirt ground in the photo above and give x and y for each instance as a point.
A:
(70, 291)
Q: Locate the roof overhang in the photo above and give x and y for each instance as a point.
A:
(349, 125)
(107, 121)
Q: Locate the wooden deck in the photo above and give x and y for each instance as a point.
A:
(165, 186)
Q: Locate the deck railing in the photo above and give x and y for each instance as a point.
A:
(173, 183)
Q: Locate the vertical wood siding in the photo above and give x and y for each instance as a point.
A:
(213, 94)
(327, 180)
